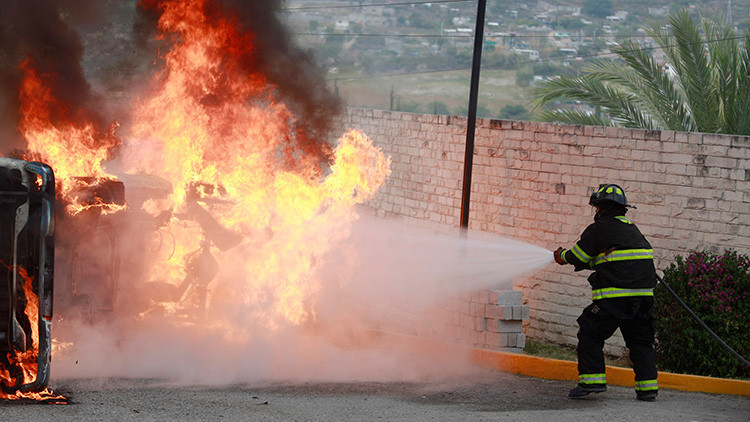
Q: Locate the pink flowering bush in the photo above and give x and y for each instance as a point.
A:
(717, 289)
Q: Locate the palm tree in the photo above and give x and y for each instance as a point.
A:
(704, 86)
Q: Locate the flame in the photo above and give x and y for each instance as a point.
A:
(27, 361)
(213, 123)
(254, 211)
(58, 135)
(81, 196)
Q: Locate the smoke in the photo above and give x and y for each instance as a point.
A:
(47, 32)
(299, 82)
(380, 275)
(42, 32)
(288, 67)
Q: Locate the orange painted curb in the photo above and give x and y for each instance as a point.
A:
(535, 366)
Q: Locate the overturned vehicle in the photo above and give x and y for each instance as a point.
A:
(27, 195)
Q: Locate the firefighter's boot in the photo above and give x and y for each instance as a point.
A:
(583, 390)
(649, 396)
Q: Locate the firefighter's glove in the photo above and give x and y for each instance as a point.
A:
(558, 256)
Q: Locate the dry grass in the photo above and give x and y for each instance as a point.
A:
(497, 89)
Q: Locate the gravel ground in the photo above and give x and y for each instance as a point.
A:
(489, 396)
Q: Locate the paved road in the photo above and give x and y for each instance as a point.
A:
(487, 396)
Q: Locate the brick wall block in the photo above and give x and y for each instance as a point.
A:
(520, 312)
(509, 297)
(498, 311)
(503, 326)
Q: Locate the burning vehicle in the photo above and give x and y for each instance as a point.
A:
(27, 197)
(214, 203)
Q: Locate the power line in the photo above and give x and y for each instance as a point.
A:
(355, 6)
(382, 75)
(516, 36)
(383, 35)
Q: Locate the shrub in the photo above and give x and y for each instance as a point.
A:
(717, 289)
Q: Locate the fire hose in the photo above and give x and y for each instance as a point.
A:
(703, 324)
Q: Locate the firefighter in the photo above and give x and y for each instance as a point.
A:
(623, 281)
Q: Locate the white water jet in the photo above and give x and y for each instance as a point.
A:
(394, 265)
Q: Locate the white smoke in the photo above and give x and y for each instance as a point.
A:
(384, 268)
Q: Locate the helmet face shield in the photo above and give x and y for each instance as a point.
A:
(611, 193)
(593, 198)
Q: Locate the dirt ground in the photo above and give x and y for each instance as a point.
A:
(488, 396)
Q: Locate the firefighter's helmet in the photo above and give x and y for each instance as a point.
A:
(609, 193)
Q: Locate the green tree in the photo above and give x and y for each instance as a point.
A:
(524, 77)
(331, 48)
(546, 69)
(418, 20)
(569, 24)
(702, 87)
(356, 28)
(597, 8)
(514, 112)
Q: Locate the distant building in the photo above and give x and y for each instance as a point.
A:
(342, 24)
(619, 16)
(658, 11)
(549, 7)
(533, 54)
(460, 20)
(503, 38)
(394, 45)
(569, 52)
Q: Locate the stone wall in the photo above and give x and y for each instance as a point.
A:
(532, 181)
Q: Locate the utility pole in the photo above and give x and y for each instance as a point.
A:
(472, 123)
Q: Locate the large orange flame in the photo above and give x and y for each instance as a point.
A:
(61, 136)
(27, 361)
(212, 123)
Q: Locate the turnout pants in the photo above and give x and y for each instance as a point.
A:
(599, 321)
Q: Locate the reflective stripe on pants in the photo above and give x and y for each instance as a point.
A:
(646, 385)
(593, 378)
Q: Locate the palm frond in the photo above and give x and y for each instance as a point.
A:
(617, 103)
(655, 92)
(737, 110)
(694, 72)
(722, 48)
(732, 79)
(709, 90)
